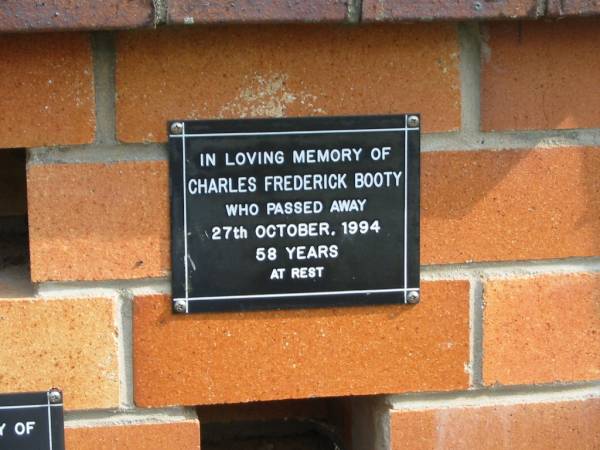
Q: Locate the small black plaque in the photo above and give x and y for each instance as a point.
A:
(306, 212)
(32, 420)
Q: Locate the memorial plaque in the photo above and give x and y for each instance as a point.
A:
(302, 212)
(32, 420)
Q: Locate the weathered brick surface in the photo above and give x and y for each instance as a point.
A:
(558, 8)
(241, 357)
(510, 205)
(184, 435)
(397, 10)
(188, 12)
(540, 75)
(46, 90)
(529, 426)
(17, 15)
(285, 71)
(542, 329)
(98, 221)
(68, 343)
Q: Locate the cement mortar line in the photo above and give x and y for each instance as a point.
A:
(510, 269)
(483, 270)
(74, 419)
(94, 153)
(470, 61)
(476, 333)
(104, 57)
(160, 12)
(125, 348)
(430, 142)
(505, 395)
(509, 140)
(141, 286)
(371, 425)
(353, 11)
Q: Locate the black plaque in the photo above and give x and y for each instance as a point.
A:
(32, 421)
(302, 212)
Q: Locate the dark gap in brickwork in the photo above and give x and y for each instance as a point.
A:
(311, 424)
(14, 236)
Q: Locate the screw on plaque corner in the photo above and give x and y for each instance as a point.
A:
(413, 121)
(179, 306)
(412, 298)
(177, 127)
(54, 396)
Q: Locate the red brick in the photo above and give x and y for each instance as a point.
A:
(529, 426)
(98, 221)
(560, 8)
(258, 356)
(510, 205)
(225, 72)
(46, 90)
(539, 75)
(67, 343)
(542, 329)
(398, 10)
(184, 435)
(17, 15)
(187, 12)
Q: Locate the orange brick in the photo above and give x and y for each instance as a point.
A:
(98, 221)
(530, 426)
(542, 329)
(183, 435)
(271, 355)
(510, 205)
(225, 72)
(46, 90)
(541, 75)
(68, 343)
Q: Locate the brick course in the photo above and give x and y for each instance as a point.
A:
(476, 206)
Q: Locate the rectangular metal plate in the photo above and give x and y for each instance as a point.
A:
(31, 421)
(302, 212)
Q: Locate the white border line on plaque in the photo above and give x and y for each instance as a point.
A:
(49, 422)
(405, 129)
(48, 405)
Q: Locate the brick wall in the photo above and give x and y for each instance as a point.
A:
(502, 352)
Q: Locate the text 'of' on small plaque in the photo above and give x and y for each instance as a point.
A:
(294, 213)
(32, 420)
